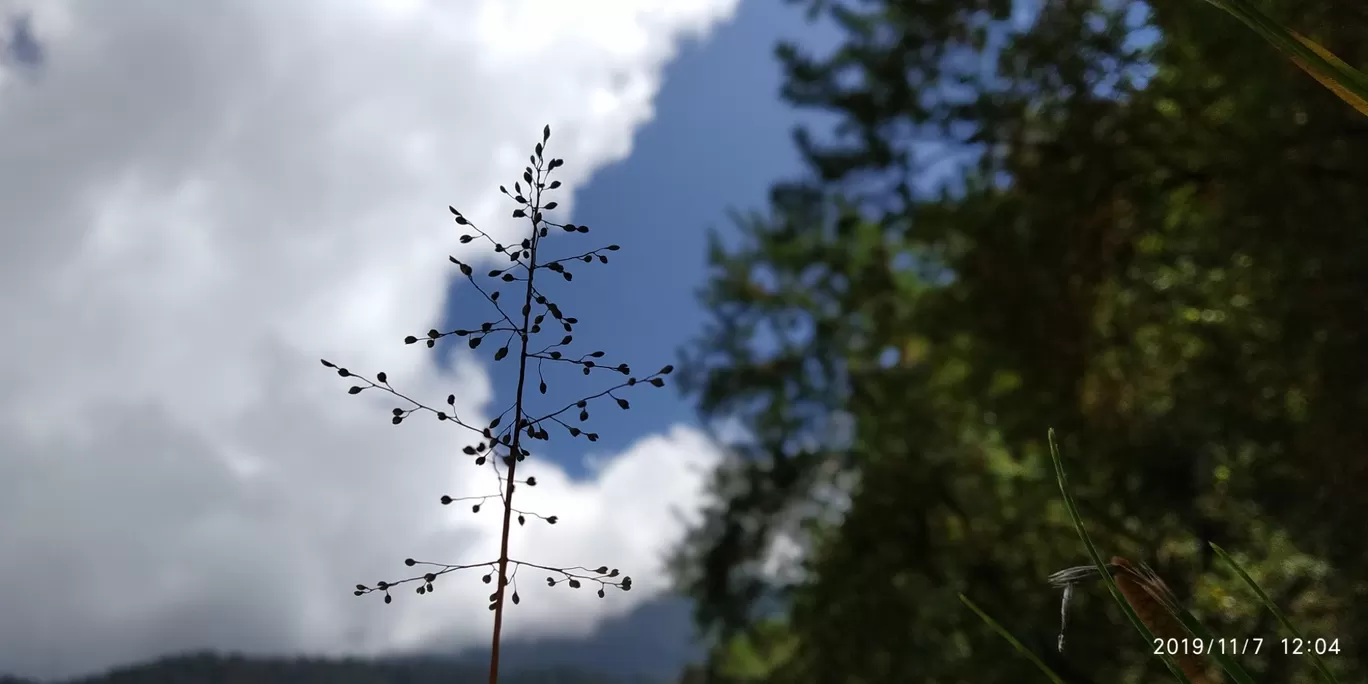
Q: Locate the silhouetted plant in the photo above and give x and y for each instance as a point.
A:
(499, 444)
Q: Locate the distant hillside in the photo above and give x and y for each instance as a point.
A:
(650, 645)
(217, 669)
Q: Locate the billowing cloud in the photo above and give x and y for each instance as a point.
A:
(200, 199)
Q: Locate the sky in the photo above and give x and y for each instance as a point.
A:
(719, 138)
(201, 200)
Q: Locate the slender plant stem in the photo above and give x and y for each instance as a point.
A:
(514, 448)
(495, 446)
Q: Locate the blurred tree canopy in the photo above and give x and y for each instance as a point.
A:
(1133, 222)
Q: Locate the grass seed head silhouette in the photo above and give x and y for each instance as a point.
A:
(500, 445)
(1148, 596)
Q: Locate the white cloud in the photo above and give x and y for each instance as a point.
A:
(201, 199)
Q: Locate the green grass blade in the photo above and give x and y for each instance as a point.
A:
(1191, 623)
(1348, 83)
(1326, 675)
(1311, 56)
(1197, 629)
(1002, 632)
(1072, 507)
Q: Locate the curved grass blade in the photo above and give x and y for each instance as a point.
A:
(1190, 623)
(1346, 82)
(1326, 675)
(1102, 569)
(1197, 629)
(1002, 632)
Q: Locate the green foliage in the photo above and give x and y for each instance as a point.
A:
(1145, 230)
(1193, 626)
(759, 654)
(1272, 606)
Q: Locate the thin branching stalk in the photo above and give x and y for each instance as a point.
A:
(500, 445)
(517, 434)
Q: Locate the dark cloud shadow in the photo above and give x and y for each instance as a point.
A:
(19, 44)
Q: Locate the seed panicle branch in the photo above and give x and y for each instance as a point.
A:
(498, 444)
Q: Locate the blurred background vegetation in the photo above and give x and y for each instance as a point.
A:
(1134, 222)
